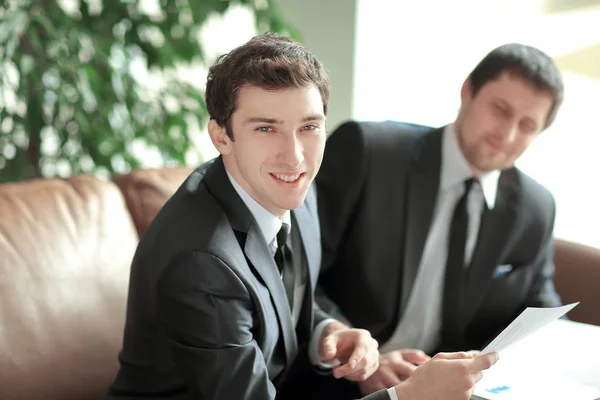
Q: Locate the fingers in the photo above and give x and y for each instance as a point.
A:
(402, 362)
(415, 356)
(446, 376)
(460, 355)
(403, 368)
(344, 370)
(387, 378)
(362, 372)
(482, 362)
(477, 376)
(357, 355)
(363, 361)
(329, 347)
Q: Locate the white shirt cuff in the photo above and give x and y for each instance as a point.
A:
(313, 347)
(392, 393)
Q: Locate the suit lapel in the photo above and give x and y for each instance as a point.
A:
(258, 253)
(255, 249)
(496, 225)
(423, 182)
(309, 228)
(309, 235)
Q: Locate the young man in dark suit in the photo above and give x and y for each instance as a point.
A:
(221, 299)
(443, 237)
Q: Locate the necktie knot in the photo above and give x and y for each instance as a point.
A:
(468, 184)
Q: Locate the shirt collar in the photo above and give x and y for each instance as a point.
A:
(268, 223)
(456, 170)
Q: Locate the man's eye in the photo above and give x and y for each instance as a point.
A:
(264, 128)
(527, 127)
(310, 127)
(500, 108)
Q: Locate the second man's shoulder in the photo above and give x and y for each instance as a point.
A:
(379, 133)
(534, 194)
(384, 128)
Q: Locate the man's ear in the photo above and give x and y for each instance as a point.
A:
(219, 137)
(466, 92)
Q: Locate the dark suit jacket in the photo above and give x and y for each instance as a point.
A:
(376, 192)
(207, 314)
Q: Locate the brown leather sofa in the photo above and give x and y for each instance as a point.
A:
(65, 249)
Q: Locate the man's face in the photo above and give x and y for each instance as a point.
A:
(496, 125)
(279, 139)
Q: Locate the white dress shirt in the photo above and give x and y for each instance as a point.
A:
(421, 323)
(270, 225)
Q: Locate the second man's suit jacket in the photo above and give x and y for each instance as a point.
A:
(207, 314)
(377, 189)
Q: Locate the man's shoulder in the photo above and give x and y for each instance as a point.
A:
(385, 129)
(533, 194)
(535, 208)
(379, 138)
(192, 216)
(395, 128)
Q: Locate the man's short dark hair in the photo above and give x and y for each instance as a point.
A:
(526, 62)
(269, 61)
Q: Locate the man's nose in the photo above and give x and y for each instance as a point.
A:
(292, 152)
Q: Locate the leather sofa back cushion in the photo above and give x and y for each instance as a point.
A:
(65, 251)
(147, 190)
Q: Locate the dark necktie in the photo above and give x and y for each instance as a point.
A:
(283, 259)
(454, 283)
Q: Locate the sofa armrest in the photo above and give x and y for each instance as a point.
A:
(578, 279)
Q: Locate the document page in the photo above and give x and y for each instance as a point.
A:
(525, 324)
(507, 386)
(559, 361)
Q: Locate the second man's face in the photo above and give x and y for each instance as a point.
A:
(279, 139)
(497, 124)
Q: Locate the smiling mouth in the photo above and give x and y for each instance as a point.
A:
(288, 178)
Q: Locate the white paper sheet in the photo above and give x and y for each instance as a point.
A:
(559, 361)
(525, 324)
(506, 386)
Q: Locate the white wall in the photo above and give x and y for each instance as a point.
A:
(412, 57)
(328, 30)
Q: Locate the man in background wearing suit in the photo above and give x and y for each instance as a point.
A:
(221, 292)
(432, 239)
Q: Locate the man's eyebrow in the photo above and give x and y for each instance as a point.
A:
(314, 117)
(265, 120)
(501, 100)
